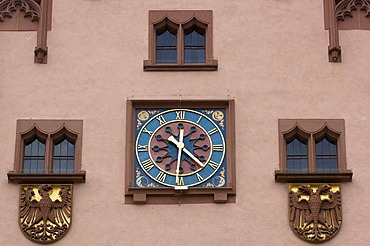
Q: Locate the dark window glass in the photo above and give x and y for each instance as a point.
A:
(297, 160)
(195, 49)
(166, 47)
(64, 157)
(34, 157)
(326, 156)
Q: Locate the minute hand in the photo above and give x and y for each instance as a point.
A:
(177, 143)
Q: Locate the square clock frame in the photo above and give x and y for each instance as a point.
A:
(180, 151)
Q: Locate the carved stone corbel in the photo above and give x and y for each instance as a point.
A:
(41, 49)
(338, 10)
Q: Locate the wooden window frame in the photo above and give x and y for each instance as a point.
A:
(312, 130)
(180, 20)
(49, 131)
(135, 195)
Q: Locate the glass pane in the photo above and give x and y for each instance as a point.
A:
(40, 166)
(297, 156)
(27, 166)
(27, 150)
(70, 166)
(63, 150)
(63, 158)
(56, 166)
(71, 149)
(34, 156)
(166, 50)
(195, 46)
(326, 156)
(63, 166)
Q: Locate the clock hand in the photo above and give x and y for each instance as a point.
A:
(193, 157)
(178, 144)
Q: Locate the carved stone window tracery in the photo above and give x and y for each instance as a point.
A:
(344, 15)
(28, 15)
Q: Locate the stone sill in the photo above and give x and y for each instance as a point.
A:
(340, 177)
(50, 178)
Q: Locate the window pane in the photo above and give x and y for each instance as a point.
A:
(297, 160)
(34, 157)
(195, 49)
(326, 156)
(63, 157)
(166, 50)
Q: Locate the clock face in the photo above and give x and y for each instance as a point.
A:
(180, 148)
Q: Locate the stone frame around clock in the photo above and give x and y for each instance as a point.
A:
(153, 195)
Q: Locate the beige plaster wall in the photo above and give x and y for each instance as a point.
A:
(272, 60)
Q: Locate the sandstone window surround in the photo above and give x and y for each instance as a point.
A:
(344, 15)
(48, 151)
(28, 15)
(312, 150)
(180, 40)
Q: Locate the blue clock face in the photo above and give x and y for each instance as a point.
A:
(180, 148)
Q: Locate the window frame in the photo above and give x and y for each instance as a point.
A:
(50, 131)
(312, 130)
(182, 20)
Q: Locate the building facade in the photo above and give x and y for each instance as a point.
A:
(276, 71)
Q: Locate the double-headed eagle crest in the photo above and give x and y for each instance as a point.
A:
(45, 213)
(315, 211)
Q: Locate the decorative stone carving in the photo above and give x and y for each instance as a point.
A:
(37, 11)
(338, 10)
(45, 211)
(315, 211)
(30, 8)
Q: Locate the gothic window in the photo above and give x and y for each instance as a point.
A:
(312, 150)
(180, 40)
(48, 151)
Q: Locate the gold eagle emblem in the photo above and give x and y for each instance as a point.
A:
(315, 211)
(45, 211)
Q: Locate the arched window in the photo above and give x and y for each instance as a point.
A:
(34, 157)
(180, 40)
(63, 157)
(297, 160)
(166, 46)
(312, 150)
(195, 46)
(326, 156)
(48, 150)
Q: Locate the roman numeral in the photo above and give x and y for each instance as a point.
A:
(200, 117)
(214, 130)
(141, 148)
(147, 131)
(213, 164)
(161, 176)
(161, 119)
(148, 164)
(181, 181)
(218, 147)
(180, 115)
(200, 178)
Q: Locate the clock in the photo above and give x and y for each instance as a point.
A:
(180, 148)
(180, 151)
